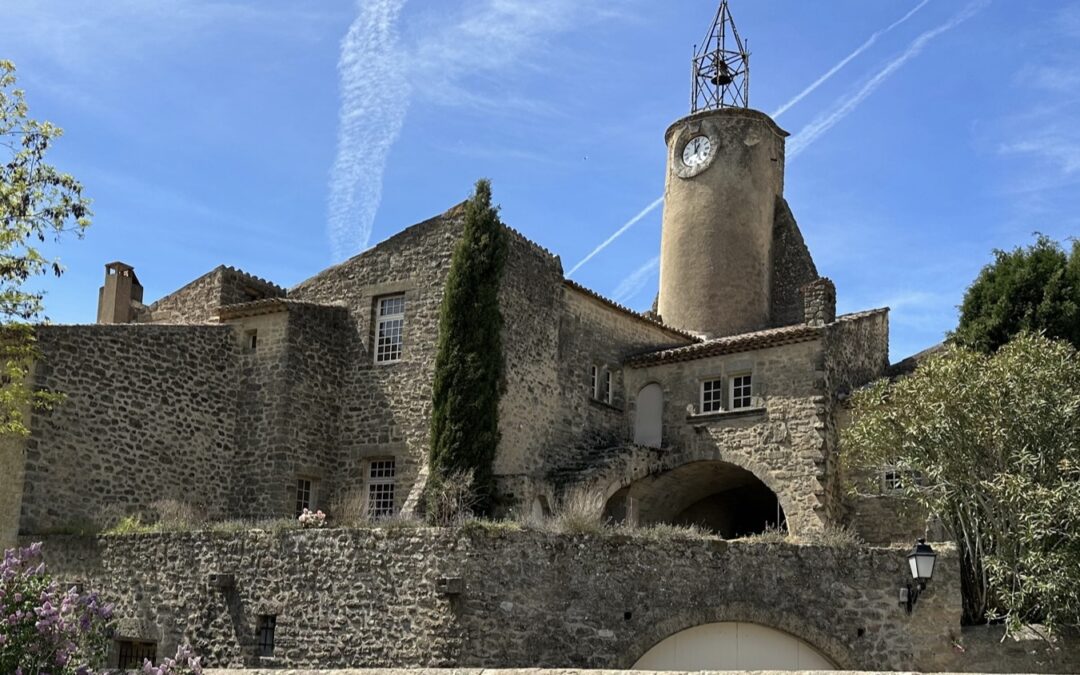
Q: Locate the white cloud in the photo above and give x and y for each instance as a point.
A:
(374, 101)
(451, 59)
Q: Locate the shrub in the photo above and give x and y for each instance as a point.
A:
(451, 500)
(309, 519)
(44, 629)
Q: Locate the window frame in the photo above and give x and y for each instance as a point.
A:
(609, 387)
(379, 494)
(309, 491)
(131, 652)
(717, 399)
(748, 386)
(595, 381)
(389, 355)
(265, 634)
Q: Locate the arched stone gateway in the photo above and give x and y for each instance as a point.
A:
(733, 645)
(721, 497)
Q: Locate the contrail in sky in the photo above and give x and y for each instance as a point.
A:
(374, 100)
(636, 281)
(815, 129)
(618, 233)
(799, 142)
(847, 59)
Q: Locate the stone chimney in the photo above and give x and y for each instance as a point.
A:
(819, 302)
(115, 298)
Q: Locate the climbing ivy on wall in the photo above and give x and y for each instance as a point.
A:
(469, 361)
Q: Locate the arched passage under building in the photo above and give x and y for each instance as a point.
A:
(718, 496)
(733, 645)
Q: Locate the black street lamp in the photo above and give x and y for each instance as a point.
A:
(921, 561)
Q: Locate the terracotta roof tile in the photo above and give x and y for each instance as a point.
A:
(744, 342)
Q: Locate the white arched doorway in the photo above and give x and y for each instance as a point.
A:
(649, 416)
(733, 646)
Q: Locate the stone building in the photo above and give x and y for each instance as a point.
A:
(721, 408)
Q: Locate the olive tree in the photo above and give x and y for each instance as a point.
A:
(994, 442)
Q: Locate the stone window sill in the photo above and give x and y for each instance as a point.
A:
(726, 415)
(605, 405)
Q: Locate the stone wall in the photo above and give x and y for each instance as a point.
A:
(780, 440)
(200, 300)
(594, 333)
(386, 408)
(530, 300)
(856, 353)
(290, 405)
(372, 598)
(149, 415)
(792, 267)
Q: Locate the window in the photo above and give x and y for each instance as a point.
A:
(304, 493)
(267, 624)
(595, 382)
(132, 653)
(251, 340)
(891, 480)
(389, 324)
(609, 392)
(740, 391)
(381, 488)
(712, 392)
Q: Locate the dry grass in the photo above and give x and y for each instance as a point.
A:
(579, 512)
(667, 532)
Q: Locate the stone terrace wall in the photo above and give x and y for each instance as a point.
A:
(370, 598)
(149, 415)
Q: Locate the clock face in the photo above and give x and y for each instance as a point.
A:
(697, 152)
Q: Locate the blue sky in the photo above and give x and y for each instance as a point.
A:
(281, 135)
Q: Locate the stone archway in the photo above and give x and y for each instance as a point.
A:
(718, 496)
(733, 645)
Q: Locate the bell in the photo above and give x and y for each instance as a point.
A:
(722, 78)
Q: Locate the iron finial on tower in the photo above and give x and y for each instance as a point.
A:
(721, 67)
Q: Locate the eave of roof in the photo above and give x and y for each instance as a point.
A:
(744, 342)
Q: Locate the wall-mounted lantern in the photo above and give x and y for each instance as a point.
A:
(921, 562)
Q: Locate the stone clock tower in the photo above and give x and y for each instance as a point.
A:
(725, 183)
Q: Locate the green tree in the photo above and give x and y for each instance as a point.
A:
(1035, 288)
(469, 361)
(995, 442)
(37, 202)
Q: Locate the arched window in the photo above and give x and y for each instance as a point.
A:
(649, 416)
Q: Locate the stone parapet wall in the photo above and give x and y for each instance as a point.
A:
(372, 598)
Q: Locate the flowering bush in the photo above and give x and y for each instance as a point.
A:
(312, 519)
(43, 630)
(184, 663)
